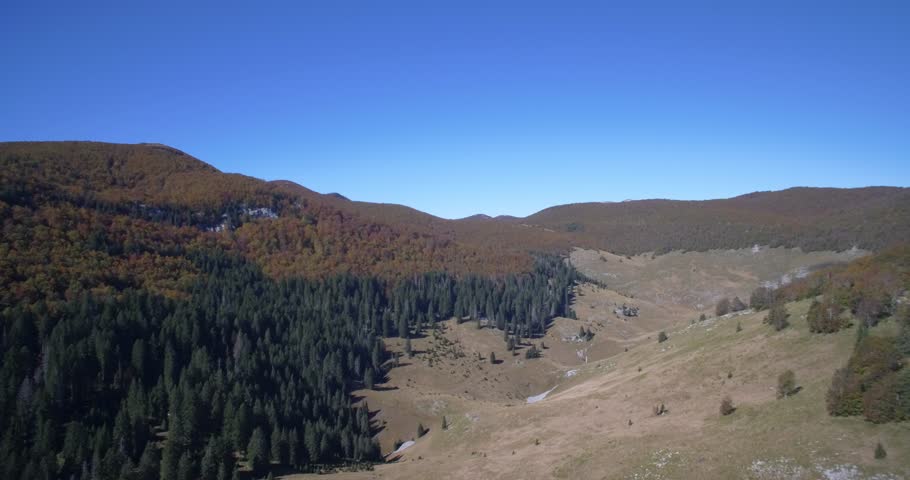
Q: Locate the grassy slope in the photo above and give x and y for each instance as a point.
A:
(699, 279)
(583, 425)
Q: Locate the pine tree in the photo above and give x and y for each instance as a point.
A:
(186, 467)
(170, 459)
(210, 460)
(368, 378)
(256, 452)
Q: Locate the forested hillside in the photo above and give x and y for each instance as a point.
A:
(810, 218)
(161, 318)
(127, 213)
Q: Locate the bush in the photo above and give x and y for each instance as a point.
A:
(421, 430)
(786, 384)
(880, 452)
(660, 409)
(825, 316)
(662, 337)
(761, 298)
(842, 399)
(874, 383)
(726, 406)
(737, 305)
(778, 317)
(722, 308)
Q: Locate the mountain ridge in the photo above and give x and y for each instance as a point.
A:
(810, 218)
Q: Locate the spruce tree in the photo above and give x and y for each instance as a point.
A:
(256, 452)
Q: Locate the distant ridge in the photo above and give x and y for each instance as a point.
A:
(338, 196)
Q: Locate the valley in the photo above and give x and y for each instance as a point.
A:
(564, 415)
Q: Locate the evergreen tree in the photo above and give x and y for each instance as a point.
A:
(778, 317)
(257, 453)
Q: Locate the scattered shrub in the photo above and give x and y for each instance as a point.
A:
(662, 337)
(737, 305)
(722, 308)
(786, 384)
(660, 409)
(880, 452)
(778, 317)
(726, 406)
(421, 430)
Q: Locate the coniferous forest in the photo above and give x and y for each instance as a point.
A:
(244, 369)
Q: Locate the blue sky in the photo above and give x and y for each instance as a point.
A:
(458, 108)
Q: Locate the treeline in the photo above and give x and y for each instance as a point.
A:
(244, 369)
(875, 382)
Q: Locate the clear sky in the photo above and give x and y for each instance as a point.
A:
(496, 107)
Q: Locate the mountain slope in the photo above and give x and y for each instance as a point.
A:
(123, 215)
(810, 218)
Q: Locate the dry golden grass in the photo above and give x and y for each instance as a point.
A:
(582, 429)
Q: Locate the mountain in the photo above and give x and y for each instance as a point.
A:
(144, 203)
(123, 212)
(163, 319)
